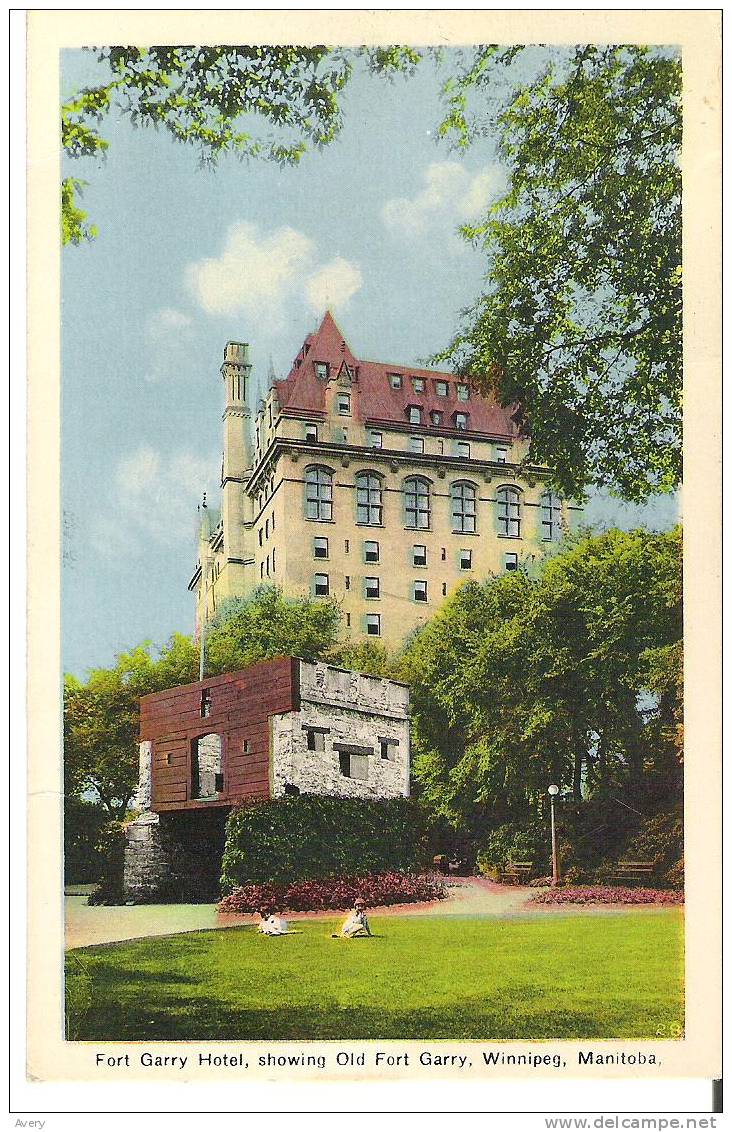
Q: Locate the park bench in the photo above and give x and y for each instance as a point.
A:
(633, 872)
(517, 872)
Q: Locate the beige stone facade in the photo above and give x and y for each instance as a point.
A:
(383, 487)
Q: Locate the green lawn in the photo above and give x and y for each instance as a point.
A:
(606, 976)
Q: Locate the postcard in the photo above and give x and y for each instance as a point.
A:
(374, 728)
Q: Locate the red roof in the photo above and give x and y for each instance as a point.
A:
(373, 398)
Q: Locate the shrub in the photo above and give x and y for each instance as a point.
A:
(376, 890)
(110, 848)
(603, 894)
(674, 878)
(512, 842)
(307, 837)
(660, 839)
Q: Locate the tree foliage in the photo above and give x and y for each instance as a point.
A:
(567, 677)
(219, 99)
(102, 720)
(267, 624)
(580, 321)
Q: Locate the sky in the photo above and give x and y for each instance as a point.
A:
(187, 259)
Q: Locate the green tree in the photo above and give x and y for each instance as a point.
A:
(217, 99)
(580, 322)
(102, 720)
(267, 624)
(521, 681)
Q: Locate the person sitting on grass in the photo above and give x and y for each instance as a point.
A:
(356, 923)
(271, 923)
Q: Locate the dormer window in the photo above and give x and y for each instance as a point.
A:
(436, 417)
(441, 388)
(463, 392)
(322, 370)
(461, 420)
(415, 414)
(344, 404)
(395, 380)
(311, 432)
(418, 384)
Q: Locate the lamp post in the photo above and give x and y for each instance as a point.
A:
(553, 791)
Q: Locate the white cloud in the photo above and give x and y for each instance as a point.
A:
(333, 285)
(253, 274)
(449, 190)
(168, 332)
(482, 190)
(157, 495)
(167, 321)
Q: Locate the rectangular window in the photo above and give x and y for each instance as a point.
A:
(501, 455)
(418, 384)
(436, 417)
(420, 590)
(320, 548)
(246, 747)
(388, 748)
(443, 554)
(266, 529)
(322, 585)
(416, 444)
(348, 581)
(419, 555)
(395, 380)
(315, 738)
(348, 620)
(444, 589)
(311, 432)
(466, 560)
(371, 587)
(375, 440)
(322, 369)
(261, 569)
(415, 414)
(373, 624)
(273, 520)
(205, 704)
(273, 561)
(353, 765)
(267, 565)
(218, 783)
(463, 392)
(261, 534)
(440, 447)
(461, 420)
(510, 561)
(441, 388)
(371, 552)
(462, 448)
(344, 404)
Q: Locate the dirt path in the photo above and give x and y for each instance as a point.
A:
(467, 896)
(87, 924)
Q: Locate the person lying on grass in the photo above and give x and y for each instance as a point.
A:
(271, 923)
(356, 923)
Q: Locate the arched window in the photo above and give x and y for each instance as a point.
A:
(369, 502)
(509, 511)
(417, 503)
(319, 493)
(462, 496)
(551, 516)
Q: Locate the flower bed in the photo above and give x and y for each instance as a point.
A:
(336, 893)
(605, 894)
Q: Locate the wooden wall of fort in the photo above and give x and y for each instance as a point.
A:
(241, 704)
